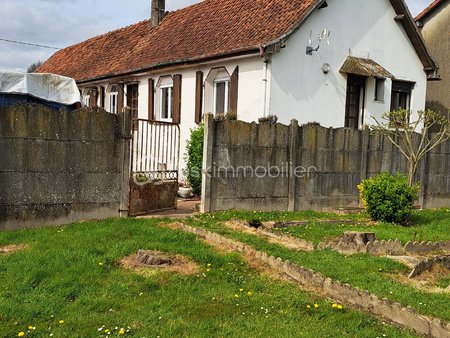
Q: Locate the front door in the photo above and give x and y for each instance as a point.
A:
(354, 107)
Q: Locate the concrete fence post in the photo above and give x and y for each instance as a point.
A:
(365, 144)
(207, 170)
(423, 177)
(125, 121)
(293, 145)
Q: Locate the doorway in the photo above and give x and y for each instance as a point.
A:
(354, 107)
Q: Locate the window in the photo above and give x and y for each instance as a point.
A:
(401, 95)
(221, 88)
(113, 100)
(166, 102)
(379, 89)
(87, 100)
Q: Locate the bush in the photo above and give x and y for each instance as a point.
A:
(194, 159)
(389, 198)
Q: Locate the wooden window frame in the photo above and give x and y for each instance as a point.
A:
(114, 109)
(380, 84)
(87, 100)
(169, 88)
(226, 81)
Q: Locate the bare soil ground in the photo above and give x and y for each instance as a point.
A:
(8, 249)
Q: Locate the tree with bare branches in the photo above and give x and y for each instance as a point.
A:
(413, 138)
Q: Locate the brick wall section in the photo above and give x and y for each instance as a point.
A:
(313, 281)
(342, 158)
(59, 167)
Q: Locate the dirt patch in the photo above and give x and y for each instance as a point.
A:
(147, 262)
(274, 238)
(427, 281)
(8, 249)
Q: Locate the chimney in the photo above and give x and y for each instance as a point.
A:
(158, 12)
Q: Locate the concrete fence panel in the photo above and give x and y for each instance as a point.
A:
(58, 167)
(272, 167)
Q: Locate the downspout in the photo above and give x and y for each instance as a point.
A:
(265, 80)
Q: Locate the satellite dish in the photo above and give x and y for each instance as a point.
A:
(323, 35)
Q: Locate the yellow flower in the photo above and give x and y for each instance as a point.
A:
(100, 263)
(340, 307)
(316, 305)
(61, 321)
(21, 334)
(209, 265)
(240, 290)
(249, 293)
(334, 305)
(121, 332)
(31, 328)
(308, 306)
(106, 331)
(236, 296)
(208, 270)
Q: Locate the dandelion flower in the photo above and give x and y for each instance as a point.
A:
(340, 307)
(21, 334)
(334, 305)
(209, 265)
(61, 321)
(240, 290)
(316, 305)
(249, 293)
(31, 328)
(121, 332)
(100, 263)
(308, 306)
(208, 270)
(236, 296)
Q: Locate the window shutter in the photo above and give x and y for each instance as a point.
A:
(177, 98)
(198, 97)
(120, 99)
(102, 97)
(151, 99)
(234, 88)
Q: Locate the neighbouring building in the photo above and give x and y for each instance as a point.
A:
(434, 23)
(336, 62)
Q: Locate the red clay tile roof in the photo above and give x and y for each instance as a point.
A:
(429, 9)
(205, 30)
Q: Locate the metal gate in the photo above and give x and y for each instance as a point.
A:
(155, 158)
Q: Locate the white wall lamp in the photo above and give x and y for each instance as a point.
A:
(326, 68)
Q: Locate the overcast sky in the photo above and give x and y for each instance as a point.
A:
(60, 23)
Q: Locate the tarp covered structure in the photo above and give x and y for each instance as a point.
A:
(49, 88)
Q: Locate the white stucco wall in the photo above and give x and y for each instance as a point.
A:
(250, 102)
(361, 28)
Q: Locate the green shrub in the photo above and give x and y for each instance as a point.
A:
(194, 159)
(389, 198)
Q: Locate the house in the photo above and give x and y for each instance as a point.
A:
(336, 62)
(434, 24)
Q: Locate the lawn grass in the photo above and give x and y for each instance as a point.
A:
(363, 271)
(426, 225)
(59, 278)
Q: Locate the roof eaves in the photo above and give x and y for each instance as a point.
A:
(407, 21)
(280, 40)
(429, 10)
(180, 62)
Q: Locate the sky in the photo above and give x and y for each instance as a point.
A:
(60, 23)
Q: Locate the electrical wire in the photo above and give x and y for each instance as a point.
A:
(28, 44)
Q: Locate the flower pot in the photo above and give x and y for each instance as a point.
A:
(184, 192)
